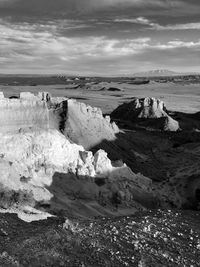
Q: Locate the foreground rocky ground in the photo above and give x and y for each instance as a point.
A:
(154, 238)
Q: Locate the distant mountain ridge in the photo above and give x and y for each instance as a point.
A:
(156, 73)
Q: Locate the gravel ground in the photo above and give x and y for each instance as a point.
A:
(153, 238)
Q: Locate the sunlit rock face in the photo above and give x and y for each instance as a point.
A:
(35, 155)
(146, 110)
(83, 124)
(39, 162)
(29, 160)
(86, 125)
(1, 95)
(26, 111)
(171, 125)
(150, 108)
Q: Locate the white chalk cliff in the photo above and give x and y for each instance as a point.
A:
(39, 163)
(84, 124)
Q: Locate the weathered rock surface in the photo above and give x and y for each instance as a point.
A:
(40, 165)
(144, 110)
(171, 125)
(86, 125)
(83, 124)
(31, 160)
(148, 108)
(23, 112)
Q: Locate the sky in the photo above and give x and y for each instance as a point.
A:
(99, 37)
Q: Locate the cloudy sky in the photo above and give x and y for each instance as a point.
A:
(99, 37)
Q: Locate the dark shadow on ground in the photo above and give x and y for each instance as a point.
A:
(148, 151)
(89, 197)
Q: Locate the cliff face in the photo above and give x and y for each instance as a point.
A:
(44, 167)
(83, 124)
(41, 164)
(86, 125)
(150, 108)
(23, 112)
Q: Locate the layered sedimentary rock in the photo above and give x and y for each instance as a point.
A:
(23, 112)
(39, 163)
(83, 124)
(38, 166)
(146, 110)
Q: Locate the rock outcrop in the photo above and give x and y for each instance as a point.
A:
(171, 125)
(144, 110)
(41, 165)
(26, 111)
(83, 124)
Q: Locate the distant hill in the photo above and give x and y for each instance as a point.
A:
(157, 73)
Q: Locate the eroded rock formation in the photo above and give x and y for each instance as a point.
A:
(30, 159)
(40, 165)
(147, 110)
(86, 125)
(24, 112)
(83, 124)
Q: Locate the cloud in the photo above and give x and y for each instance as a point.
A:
(47, 47)
(44, 42)
(7, 3)
(134, 3)
(138, 20)
(184, 26)
(156, 26)
(85, 5)
(177, 44)
(98, 4)
(32, 44)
